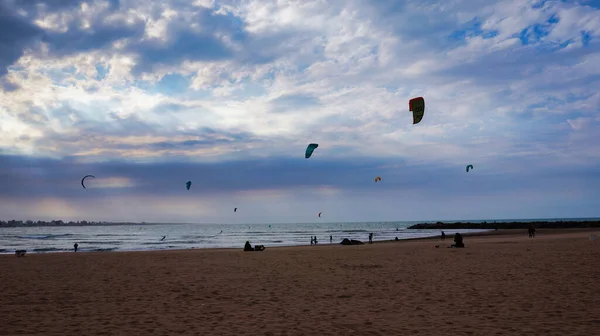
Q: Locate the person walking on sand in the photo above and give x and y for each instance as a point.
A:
(371, 238)
(75, 246)
(316, 240)
(330, 239)
(443, 236)
(312, 242)
(531, 231)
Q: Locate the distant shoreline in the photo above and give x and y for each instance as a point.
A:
(507, 225)
(49, 224)
(491, 224)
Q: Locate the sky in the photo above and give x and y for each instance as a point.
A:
(146, 95)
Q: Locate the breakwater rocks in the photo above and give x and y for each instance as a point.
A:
(508, 225)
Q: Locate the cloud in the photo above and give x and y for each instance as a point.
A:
(293, 102)
(144, 90)
(15, 34)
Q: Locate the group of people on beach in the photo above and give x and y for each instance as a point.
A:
(314, 241)
(458, 240)
(248, 247)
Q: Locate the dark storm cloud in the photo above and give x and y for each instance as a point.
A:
(26, 177)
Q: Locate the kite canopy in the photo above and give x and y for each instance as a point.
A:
(469, 167)
(378, 178)
(320, 214)
(188, 184)
(310, 149)
(86, 176)
(234, 209)
(417, 106)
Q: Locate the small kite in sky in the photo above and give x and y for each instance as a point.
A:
(86, 176)
(310, 149)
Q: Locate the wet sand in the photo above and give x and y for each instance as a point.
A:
(502, 283)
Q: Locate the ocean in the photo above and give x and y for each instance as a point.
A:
(142, 237)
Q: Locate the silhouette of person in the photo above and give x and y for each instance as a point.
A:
(75, 246)
(458, 240)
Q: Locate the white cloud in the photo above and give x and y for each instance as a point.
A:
(361, 60)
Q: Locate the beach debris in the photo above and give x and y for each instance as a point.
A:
(320, 214)
(347, 241)
(188, 184)
(469, 167)
(83, 179)
(310, 149)
(377, 179)
(417, 106)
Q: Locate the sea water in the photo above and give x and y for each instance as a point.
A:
(186, 236)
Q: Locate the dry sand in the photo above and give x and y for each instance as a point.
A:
(500, 284)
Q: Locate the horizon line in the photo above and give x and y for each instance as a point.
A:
(548, 219)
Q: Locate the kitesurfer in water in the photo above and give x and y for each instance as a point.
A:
(163, 238)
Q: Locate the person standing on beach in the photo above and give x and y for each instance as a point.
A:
(531, 231)
(330, 239)
(75, 246)
(443, 235)
(315, 240)
(371, 238)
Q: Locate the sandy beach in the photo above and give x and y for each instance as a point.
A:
(502, 283)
